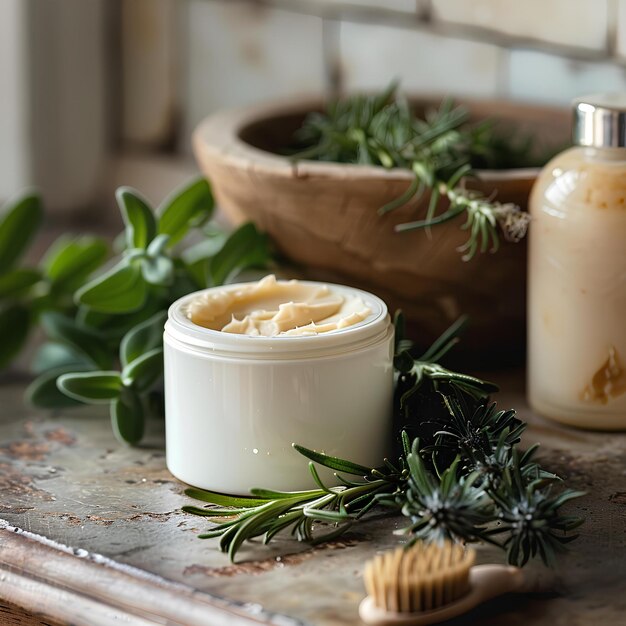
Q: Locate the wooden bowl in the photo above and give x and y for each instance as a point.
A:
(323, 217)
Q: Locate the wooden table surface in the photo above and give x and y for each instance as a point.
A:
(92, 534)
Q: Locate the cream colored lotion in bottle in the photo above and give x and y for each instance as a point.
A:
(577, 274)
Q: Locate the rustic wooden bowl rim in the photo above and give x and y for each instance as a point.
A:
(220, 135)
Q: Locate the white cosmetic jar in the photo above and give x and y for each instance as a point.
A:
(235, 404)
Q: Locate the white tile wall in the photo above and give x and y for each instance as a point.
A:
(405, 6)
(554, 79)
(238, 53)
(372, 55)
(576, 23)
(620, 27)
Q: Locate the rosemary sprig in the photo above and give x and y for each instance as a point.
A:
(270, 512)
(441, 150)
(416, 372)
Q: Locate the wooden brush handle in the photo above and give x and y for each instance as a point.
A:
(490, 581)
(486, 582)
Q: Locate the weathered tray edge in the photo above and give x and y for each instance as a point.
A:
(88, 589)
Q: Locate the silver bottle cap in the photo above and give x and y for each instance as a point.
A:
(600, 120)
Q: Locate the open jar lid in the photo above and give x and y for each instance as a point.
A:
(600, 120)
(372, 329)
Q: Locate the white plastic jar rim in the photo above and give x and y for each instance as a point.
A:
(373, 328)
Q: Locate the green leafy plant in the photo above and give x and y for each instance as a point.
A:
(441, 149)
(104, 325)
(458, 476)
(28, 291)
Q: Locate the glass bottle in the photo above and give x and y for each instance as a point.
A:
(577, 274)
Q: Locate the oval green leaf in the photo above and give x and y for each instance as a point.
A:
(15, 323)
(121, 290)
(44, 393)
(19, 222)
(18, 281)
(144, 371)
(113, 326)
(145, 337)
(186, 207)
(70, 261)
(83, 340)
(138, 217)
(245, 248)
(91, 387)
(127, 417)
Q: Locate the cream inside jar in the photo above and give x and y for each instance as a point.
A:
(271, 308)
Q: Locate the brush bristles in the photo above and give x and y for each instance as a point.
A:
(423, 577)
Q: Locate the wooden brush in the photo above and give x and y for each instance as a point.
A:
(430, 583)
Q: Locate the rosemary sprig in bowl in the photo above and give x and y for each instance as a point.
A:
(442, 150)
